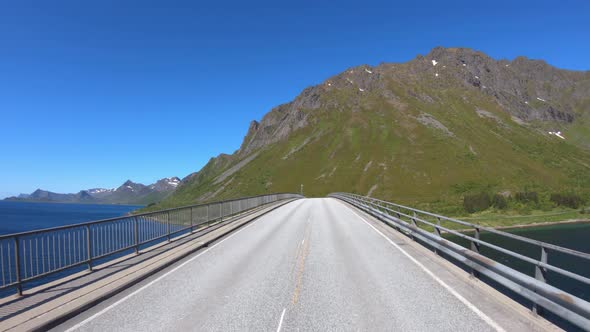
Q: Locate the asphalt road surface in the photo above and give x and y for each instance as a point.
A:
(310, 265)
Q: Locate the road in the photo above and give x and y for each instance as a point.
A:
(310, 265)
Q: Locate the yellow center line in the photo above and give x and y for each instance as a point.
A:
(301, 263)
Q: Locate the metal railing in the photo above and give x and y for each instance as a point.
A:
(32, 255)
(537, 289)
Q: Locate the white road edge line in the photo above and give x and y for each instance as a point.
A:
(103, 311)
(281, 321)
(478, 312)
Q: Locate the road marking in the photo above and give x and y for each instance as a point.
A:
(301, 260)
(103, 311)
(281, 321)
(478, 312)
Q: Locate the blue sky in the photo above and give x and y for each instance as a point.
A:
(94, 93)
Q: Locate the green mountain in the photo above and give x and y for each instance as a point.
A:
(427, 131)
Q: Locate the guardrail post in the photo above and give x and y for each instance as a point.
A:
(220, 212)
(475, 248)
(437, 232)
(541, 275)
(541, 272)
(475, 245)
(437, 229)
(414, 225)
(89, 247)
(19, 287)
(168, 226)
(191, 219)
(136, 235)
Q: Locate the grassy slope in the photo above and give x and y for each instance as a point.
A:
(376, 142)
(496, 218)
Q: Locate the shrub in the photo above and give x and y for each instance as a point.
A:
(476, 202)
(570, 200)
(499, 202)
(525, 210)
(527, 197)
(545, 205)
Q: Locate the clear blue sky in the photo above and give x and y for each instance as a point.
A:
(96, 92)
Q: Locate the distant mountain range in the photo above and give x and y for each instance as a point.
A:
(128, 193)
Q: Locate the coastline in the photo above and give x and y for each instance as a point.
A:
(530, 225)
(74, 203)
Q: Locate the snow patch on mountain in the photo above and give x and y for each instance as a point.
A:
(557, 133)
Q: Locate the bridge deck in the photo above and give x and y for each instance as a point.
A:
(313, 264)
(52, 301)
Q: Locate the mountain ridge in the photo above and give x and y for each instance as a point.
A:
(127, 193)
(479, 64)
(432, 129)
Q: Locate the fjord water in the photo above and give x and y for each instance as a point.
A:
(574, 236)
(18, 217)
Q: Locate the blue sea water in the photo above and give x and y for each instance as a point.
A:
(18, 217)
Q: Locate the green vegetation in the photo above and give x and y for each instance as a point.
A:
(499, 202)
(570, 200)
(429, 143)
(522, 208)
(408, 162)
(496, 218)
(477, 202)
(527, 197)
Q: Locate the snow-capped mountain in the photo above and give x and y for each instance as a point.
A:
(98, 191)
(127, 193)
(166, 184)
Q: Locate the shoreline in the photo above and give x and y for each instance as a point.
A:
(73, 203)
(531, 225)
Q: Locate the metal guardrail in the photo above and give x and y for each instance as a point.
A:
(28, 256)
(536, 289)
